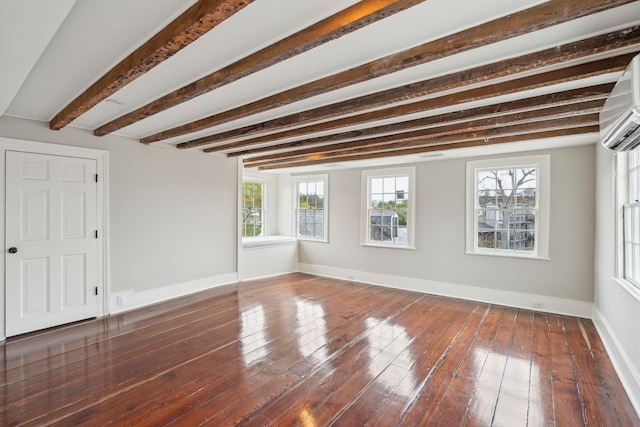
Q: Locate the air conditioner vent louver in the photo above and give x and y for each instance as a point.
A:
(620, 115)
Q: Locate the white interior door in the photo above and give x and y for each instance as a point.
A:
(51, 241)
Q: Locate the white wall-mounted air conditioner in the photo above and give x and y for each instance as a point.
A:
(620, 115)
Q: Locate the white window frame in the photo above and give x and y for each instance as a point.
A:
(311, 178)
(543, 178)
(365, 196)
(622, 186)
(264, 205)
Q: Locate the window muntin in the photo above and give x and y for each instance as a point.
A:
(252, 208)
(311, 207)
(508, 206)
(388, 207)
(631, 221)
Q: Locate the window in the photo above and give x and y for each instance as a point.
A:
(252, 208)
(631, 220)
(311, 200)
(508, 207)
(388, 207)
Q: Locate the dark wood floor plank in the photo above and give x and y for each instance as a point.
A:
(303, 350)
(412, 390)
(349, 354)
(403, 367)
(623, 407)
(567, 403)
(481, 406)
(451, 407)
(512, 407)
(387, 339)
(244, 349)
(541, 398)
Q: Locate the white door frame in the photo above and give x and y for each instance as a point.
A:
(102, 161)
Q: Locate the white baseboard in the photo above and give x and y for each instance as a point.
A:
(140, 299)
(492, 296)
(624, 367)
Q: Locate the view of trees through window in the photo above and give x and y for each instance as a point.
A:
(388, 209)
(252, 208)
(310, 209)
(506, 209)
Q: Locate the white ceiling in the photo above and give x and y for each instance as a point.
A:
(45, 76)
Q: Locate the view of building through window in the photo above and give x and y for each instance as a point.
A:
(506, 209)
(388, 209)
(310, 209)
(252, 208)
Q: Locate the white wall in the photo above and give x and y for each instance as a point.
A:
(172, 215)
(617, 312)
(440, 235)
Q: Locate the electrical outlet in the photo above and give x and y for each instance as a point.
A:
(537, 304)
(120, 300)
(351, 276)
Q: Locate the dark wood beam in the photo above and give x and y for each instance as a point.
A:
(344, 22)
(440, 147)
(182, 31)
(531, 118)
(568, 99)
(549, 78)
(571, 51)
(482, 129)
(547, 14)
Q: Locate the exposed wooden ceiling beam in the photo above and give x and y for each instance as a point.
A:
(549, 78)
(182, 31)
(346, 21)
(512, 124)
(571, 51)
(567, 99)
(527, 117)
(547, 14)
(471, 142)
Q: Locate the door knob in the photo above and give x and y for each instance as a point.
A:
(13, 250)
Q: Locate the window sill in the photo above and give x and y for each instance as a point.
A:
(509, 255)
(267, 241)
(628, 287)
(373, 245)
(308, 239)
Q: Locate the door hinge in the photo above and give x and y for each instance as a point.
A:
(96, 177)
(96, 290)
(96, 234)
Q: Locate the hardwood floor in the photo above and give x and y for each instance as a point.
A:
(309, 351)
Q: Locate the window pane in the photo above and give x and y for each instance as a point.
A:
(320, 188)
(376, 185)
(505, 178)
(486, 239)
(526, 178)
(389, 185)
(311, 188)
(402, 184)
(487, 199)
(486, 180)
(376, 201)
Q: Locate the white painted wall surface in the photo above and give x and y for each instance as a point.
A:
(172, 215)
(440, 233)
(617, 312)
